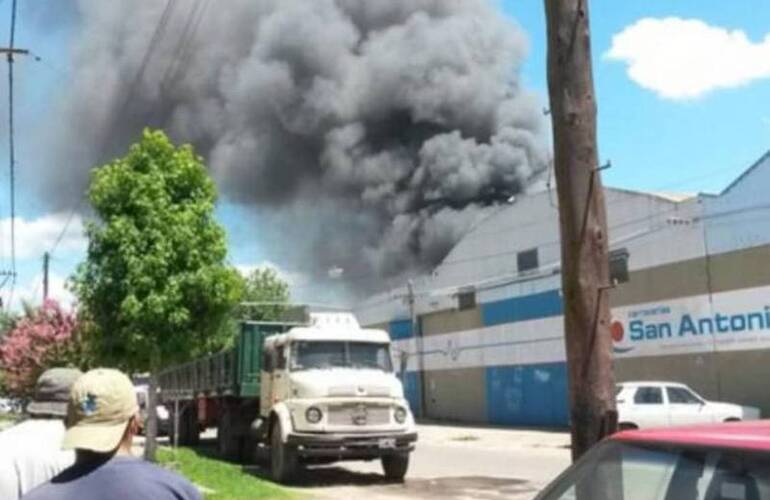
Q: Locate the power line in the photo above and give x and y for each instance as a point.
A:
(181, 54)
(71, 216)
(156, 36)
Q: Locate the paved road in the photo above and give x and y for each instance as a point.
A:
(451, 462)
(454, 463)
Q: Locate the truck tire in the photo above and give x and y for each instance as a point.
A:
(190, 433)
(228, 444)
(395, 466)
(283, 458)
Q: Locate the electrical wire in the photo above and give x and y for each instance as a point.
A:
(157, 35)
(181, 52)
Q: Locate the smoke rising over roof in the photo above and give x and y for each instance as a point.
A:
(380, 129)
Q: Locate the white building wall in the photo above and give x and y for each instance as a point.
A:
(739, 218)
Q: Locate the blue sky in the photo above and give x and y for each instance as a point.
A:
(693, 128)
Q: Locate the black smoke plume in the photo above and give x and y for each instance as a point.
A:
(376, 132)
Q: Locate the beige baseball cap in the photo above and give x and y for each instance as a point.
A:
(101, 404)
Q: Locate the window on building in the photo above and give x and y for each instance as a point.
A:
(619, 266)
(527, 260)
(648, 396)
(466, 299)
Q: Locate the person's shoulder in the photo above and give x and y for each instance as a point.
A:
(45, 491)
(156, 474)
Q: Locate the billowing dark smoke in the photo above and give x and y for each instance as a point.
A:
(379, 130)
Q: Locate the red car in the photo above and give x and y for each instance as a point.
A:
(710, 462)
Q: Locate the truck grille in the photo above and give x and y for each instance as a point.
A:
(359, 391)
(359, 414)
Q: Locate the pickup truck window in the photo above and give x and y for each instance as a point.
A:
(680, 395)
(308, 355)
(648, 396)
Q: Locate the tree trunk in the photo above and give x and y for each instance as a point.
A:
(583, 224)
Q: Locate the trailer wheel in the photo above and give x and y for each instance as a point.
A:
(395, 466)
(283, 458)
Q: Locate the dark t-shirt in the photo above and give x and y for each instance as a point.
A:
(119, 478)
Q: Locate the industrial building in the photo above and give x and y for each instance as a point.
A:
(481, 338)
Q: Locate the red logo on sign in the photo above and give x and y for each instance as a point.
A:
(617, 331)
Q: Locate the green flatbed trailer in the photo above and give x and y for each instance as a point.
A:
(220, 390)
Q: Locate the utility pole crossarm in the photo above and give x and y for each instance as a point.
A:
(14, 51)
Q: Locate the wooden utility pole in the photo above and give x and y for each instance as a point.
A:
(46, 262)
(583, 224)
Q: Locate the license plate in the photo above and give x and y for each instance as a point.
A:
(387, 443)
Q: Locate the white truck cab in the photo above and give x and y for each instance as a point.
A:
(328, 392)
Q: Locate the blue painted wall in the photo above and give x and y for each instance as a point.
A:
(527, 307)
(530, 395)
(400, 329)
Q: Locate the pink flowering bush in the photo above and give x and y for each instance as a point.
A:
(43, 338)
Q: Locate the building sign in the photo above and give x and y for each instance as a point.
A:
(733, 320)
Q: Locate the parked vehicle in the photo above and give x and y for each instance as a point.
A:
(164, 418)
(6, 406)
(728, 461)
(662, 404)
(315, 391)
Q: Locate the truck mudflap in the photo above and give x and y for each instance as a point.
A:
(351, 446)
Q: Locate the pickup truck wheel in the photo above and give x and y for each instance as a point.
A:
(283, 458)
(395, 466)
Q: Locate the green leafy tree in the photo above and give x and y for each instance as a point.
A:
(265, 295)
(154, 281)
(261, 286)
(7, 322)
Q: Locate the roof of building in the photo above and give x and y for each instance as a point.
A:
(754, 435)
(765, 158)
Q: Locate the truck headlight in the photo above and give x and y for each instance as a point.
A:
(313, 415)
(400, 415)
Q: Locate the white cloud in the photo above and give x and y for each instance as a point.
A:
(33, 237)
(687, 58)
(32, 292)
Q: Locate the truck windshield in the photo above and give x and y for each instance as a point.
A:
(308, 355)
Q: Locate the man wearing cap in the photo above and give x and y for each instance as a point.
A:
(30, 452)
(103, 417)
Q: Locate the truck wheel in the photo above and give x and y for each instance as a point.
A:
(395, 466)
(191, 434)
(227, 440)
(283, 458)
